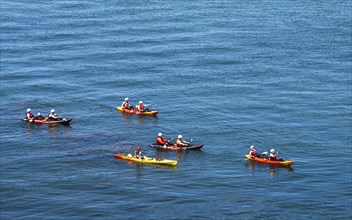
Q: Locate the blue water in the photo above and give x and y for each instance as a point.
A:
(227, 74)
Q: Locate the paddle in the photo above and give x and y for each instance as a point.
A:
(188, 143)
(171, 140)
(278, 156)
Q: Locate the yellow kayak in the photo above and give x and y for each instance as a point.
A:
(145, 159)
(136, 112)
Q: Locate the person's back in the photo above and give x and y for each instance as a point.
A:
(140, 107)
(160, 140)
(126, 104)
(273, 155)
(253, 152)
(138, 152)
(29, 114)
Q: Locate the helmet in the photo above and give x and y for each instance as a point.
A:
(272, 151)
(140, 102)
(126, 99)
(139, 147)
(38, 113)
(160, 134)
(52, 110)
(252, 147)
(29, 110)
(180, 136)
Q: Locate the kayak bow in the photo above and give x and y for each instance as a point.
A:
(136, 112)
(268, 161)
(147, 160)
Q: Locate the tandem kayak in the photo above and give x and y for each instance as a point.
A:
(136, 112)
(148, 160)
(175, 147)
(272, 162)
(44, 121)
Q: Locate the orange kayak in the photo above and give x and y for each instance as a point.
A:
(267, 161)
(136, 112)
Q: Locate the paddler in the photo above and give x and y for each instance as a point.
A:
(53, 116)
(126, 104)
(253, 152)
(160, 140)
(138, 153)
(180, 142)
(141, 107)
(30, 115)
(274, 155)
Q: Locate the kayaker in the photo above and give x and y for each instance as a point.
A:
(53, 116)
(140, 106)
(138, 153)
(253, 152)
(160, 140)
(180, 142)
(127, 105)
(273, 155)
(30, 115)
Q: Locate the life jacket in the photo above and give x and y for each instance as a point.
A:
(141, 107)
(180, 143)
(273, 156)
(126, 104)
(30, 115)
(253, 153)
(161, 140)
(137, 153)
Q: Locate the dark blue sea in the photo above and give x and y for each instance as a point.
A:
(225, 73)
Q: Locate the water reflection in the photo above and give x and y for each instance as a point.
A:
(274, 170)
(142, 119)
(52, 128)
(126, 118)
(180, 155)
(145, 119)
(140, 166)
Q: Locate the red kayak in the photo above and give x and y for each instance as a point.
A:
(175, 147)
(268, 161)
(44, 121)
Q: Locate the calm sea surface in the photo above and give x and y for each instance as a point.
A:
(226, 73)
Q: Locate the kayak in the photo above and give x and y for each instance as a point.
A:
(136, 112)
(175, 147)
(44, 121)
(147, 160)
(273, 162)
